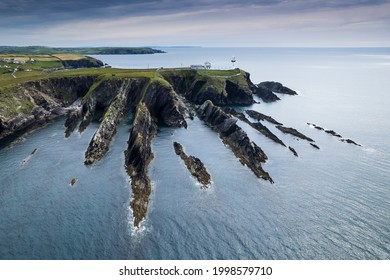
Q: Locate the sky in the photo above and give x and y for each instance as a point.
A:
(216, 23)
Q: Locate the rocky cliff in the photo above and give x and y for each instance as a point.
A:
(160, 97)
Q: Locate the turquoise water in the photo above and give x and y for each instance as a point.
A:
(332, 203)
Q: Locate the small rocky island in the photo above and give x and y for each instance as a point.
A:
(194, 165)
(168, 97)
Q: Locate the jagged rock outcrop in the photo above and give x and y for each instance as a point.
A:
(233, 136)
(102, 138)
(277, 87)
(266, 94)
(293, 131)
(258, 126)
(265, 91)
(261, 117)
(194, 165)
(137, 158)
(157, 103)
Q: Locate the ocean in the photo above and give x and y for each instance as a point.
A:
(332, 203)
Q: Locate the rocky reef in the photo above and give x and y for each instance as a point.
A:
(333, 133)
(194, 165)
(233, 136)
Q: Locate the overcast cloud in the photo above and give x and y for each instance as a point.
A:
(206, 23)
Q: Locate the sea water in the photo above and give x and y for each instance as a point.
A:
(332, 203)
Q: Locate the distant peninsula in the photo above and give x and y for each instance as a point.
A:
(83, 51)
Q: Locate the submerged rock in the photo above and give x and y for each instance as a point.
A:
(194, 165)
(73, 181)
(233, 136)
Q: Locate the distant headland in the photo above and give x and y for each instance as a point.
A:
(84, 51)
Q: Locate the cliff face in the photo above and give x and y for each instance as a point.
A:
(236, 89)
(35, 103)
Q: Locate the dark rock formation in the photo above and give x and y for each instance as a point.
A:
(267, 133)
(333, 133)
(261, 117)
(157, 103)
(102, 138)
(72, 121)
(194, 165)
(349, 141)
(73, 181)
(293, 131)
(233, 136)
(277, 87)
(137, 158)
(266, 94)
(315, 146)
(258, 126)
(293, 151)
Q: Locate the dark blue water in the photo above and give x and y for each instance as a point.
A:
(332, 203)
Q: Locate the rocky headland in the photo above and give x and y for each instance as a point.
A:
(167, 97)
